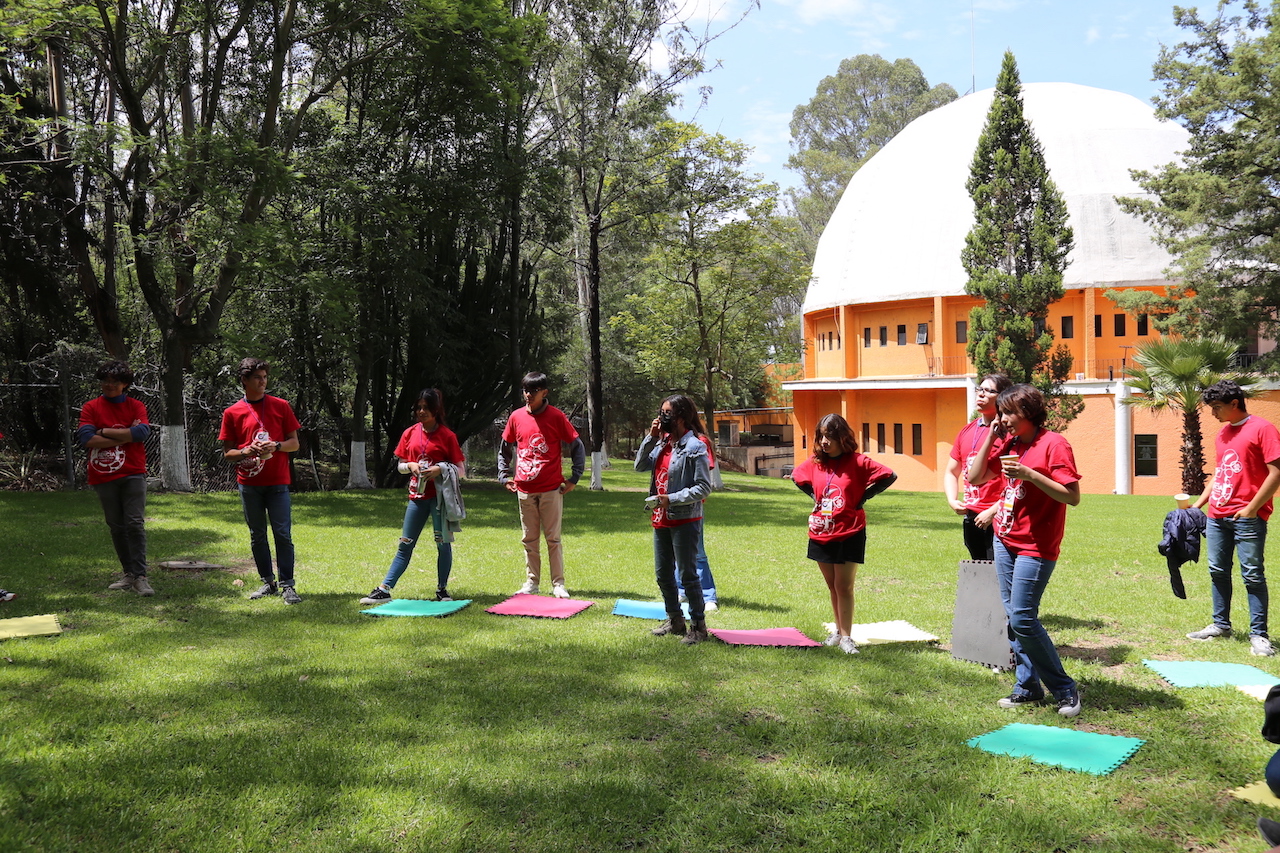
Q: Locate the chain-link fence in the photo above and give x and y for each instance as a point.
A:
(40, 404)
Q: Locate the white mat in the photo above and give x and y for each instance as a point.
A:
(897, 631)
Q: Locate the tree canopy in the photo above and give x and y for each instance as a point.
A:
(853, 114)
(1217, 210)
(1016, 252)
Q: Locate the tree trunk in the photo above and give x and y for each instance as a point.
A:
(1193, 476)
(175, 468)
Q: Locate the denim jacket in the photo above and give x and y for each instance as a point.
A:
(688, 473)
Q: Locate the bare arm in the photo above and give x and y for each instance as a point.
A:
(951, 485)
(978, 469)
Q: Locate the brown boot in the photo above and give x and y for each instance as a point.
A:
(696, 634)
(674, 625)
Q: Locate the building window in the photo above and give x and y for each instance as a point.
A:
(922, 333)
(1142, 325)
(1097, 325)
(866, 336)
(879, 438)
(884, 336)
(1068, 327)
(866, 438)
(962, 331)
(917, 439)
(897, 438)
(1119, 325)
(1144, 456)
(902, 336)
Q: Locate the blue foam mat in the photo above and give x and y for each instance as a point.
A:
(414, 607)
(645, 609)
(1204, 673)
(1086, 752)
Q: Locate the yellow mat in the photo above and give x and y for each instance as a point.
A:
(29, 626)
(1258, 793)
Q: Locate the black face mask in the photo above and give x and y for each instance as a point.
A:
(666, 421)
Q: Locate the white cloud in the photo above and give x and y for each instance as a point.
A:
(1092, 35)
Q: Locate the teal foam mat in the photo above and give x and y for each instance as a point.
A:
(413, 607)
(1086, 752)
(1204, 673)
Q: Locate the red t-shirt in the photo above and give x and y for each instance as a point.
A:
(1029, 521)
(968, 443)
(537, 439)
(661, 477)
(838, 485)
(428, 448)
(243, 422)
(711, 451)
(1243, 454)
(112, 463)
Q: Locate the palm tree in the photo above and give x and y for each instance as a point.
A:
(1172, 374)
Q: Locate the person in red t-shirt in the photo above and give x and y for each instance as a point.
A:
(1041, 481)
(1239, 501)
(965, 498)
(535, 433)
(840, 480)
(112, 428)
(423, 448)
(256, 434)
(680, 482)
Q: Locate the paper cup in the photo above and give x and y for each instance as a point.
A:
(1183, 499)
(1008, 457)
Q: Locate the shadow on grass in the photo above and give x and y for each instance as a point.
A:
(537, 740)
(1061, 622)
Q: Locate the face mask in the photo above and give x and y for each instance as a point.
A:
(665, 420)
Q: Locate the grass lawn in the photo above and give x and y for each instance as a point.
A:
(200, 721)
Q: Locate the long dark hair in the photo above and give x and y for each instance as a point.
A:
(683, 409)
(837, 429)
(433, 401)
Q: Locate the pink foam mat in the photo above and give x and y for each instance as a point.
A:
(764, 637)
(544, 606)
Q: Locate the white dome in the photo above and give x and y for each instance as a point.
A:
(901, 223)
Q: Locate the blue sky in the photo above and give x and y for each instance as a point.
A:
(773, 60)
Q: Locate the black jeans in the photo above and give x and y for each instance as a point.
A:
(978, 540)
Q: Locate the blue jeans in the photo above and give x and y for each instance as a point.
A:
(1023, 579)
(705, 579)
(1248, 538)
(675, 550)
(415, 519)
(261, 503)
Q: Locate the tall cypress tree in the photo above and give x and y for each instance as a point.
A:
(1016, 252)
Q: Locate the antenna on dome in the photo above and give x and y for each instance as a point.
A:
(973, 74)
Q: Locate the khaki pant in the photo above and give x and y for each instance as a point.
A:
(540, 514)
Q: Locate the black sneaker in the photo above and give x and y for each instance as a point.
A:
(442, 594)
(1270, 831)
(1069, 705)
(378, 596)
(1017, 700)
(268, 588)
(290, 595)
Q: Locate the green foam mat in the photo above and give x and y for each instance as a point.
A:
(413, 607)
(1087, 752)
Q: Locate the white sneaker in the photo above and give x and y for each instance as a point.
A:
(529, 588)
(848, 646)
(558, 590)
(1209, 632)
(833, 639)
(1260, 646)
(711, 606)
